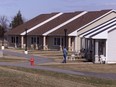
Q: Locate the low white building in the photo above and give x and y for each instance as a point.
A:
(100, 42)
(93, 31)
(111, 47)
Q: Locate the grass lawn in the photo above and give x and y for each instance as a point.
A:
(23, 77)
(13, 59)
(49, 54)
(102, 68)
(78, 64)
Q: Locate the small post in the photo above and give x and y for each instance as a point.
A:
(26, 52)
(65, 32)
(2, 39)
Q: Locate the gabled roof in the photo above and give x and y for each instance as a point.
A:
(50, 25)
(112, 30)
(81, 21)
(101, 26)
(29, 24)
(55, 23)
(42, 23)
(100, 32)
(103, 34)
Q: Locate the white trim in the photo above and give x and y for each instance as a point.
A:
(73, 33)
(101, 25)
(103, 35)
(101, 29)
(70, 20)
(96, 19)
(26, 52)
(106, 49)
(75, 44)
(107, 62)
(42, 23)
(2, 47)
(91, 22)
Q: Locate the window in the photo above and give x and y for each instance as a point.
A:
(31, 40)
(34, 40)
(57, 41)
(12, 39)
(17, 39)
(37, 40)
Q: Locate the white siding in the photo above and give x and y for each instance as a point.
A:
(104, 19)
(111, 50)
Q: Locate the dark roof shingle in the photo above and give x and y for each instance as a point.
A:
(29, 24)
(81, 21)
(72, 26)
(51, 24)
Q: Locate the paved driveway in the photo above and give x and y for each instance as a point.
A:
(37, 59)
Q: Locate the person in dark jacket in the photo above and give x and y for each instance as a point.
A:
(64, 55)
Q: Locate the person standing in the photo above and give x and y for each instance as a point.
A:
(64, 55)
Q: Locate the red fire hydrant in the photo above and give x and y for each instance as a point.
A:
(32, 61)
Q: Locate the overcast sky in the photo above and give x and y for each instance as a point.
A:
(32, 8)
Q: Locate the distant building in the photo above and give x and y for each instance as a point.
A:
(46, 32)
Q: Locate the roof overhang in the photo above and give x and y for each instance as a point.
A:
(102, 34)
(110, 11)
(100, 31)
(65, 23)
(42, 23)
(99, 27)
(75, 32)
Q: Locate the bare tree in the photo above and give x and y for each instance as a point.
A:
(4, 22)
(3, 27)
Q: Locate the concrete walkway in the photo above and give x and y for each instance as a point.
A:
(44, 60)
(37, 59)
